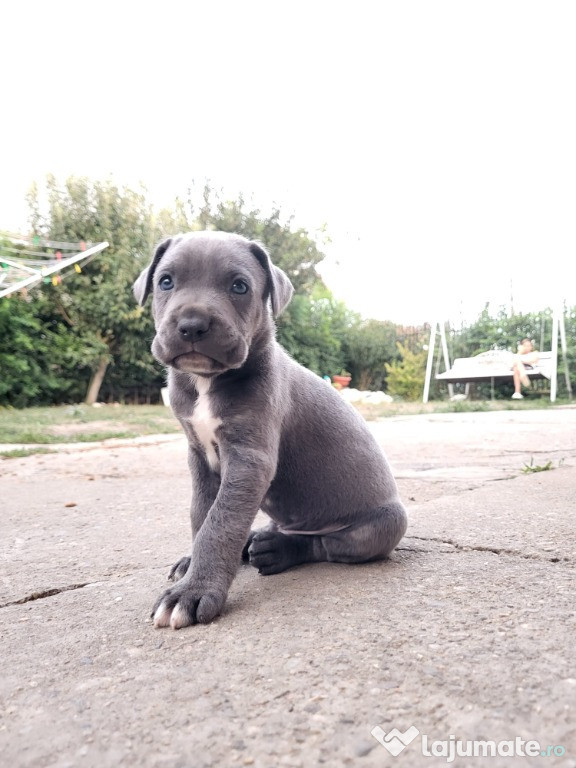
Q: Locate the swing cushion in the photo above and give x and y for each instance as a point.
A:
(495, 364)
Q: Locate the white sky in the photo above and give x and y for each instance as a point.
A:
(435, 140)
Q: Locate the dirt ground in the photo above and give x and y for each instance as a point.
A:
(467, 632)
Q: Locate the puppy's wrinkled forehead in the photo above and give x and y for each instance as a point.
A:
(208, 260)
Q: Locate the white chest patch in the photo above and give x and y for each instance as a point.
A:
(205, 424)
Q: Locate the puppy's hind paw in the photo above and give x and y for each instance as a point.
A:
(271, 552)
(179, 569)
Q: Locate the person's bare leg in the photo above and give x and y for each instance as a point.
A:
(517, 382)
(523, 375)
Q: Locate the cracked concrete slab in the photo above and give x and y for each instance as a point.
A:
(467, 630)
(505, 516)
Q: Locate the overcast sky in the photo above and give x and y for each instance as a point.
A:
(435, 141)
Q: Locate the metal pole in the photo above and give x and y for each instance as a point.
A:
(565, 354)
(446, 356)
(554, 375)
(429, 362)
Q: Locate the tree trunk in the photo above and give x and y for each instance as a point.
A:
(96, 382)
(365, 380)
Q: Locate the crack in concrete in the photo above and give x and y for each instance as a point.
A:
(44, 593)
(480, 548)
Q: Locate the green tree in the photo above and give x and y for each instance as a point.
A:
(36, 352)
(97, 305)
(406, 376)
(172, 221)
(22, 352)
(315, 330)
(368, 345)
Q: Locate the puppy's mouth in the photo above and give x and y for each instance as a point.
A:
(195, 362)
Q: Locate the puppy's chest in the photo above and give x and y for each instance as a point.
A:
(205, 425)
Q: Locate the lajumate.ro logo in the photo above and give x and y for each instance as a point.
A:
(396, 741)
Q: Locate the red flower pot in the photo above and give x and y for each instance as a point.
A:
(341, 381)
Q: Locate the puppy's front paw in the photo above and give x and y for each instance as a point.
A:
(179, 569)
(185, 604)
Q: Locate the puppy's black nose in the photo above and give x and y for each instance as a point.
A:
(193, 327)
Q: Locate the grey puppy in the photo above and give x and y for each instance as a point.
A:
(263, 432)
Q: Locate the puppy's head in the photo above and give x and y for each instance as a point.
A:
(210, 295)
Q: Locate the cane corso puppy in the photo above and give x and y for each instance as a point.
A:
(263, 432)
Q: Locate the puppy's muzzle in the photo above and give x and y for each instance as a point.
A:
(198, 340)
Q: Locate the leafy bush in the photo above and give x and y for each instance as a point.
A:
(368, 345)
(406, 376)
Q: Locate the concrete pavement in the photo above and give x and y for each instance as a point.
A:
(467, 633)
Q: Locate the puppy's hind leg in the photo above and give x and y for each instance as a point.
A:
(372, 538)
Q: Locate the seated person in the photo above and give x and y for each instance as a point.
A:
(526, 358)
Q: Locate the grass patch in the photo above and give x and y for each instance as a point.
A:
(19, 453)
(80, 423)
(83, 424)
(94, 437)
(529, 469)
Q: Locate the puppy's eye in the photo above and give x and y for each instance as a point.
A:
(165, 283)
(239, 286)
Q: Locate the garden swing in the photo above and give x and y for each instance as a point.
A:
(495, 365)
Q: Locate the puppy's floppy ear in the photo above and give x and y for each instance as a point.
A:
(143, 284)
(279, 286)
